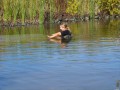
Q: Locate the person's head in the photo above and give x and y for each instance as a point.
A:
(64, 26)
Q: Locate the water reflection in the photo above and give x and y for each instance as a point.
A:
(62, 42)
(29, 61)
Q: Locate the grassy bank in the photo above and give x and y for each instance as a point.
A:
(26, 12)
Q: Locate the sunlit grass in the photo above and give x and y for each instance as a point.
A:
(32, 11)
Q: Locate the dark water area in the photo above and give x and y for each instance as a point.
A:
(90, 61)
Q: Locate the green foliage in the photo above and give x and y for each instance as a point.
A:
(22, 9)
(111, 6)
(92, 8)
(73, 6)
(30, 10)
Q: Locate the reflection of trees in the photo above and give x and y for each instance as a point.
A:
(18, 35)
(86, 34)
(95, 30)
(84, 30)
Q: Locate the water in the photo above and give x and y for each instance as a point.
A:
(90, 61)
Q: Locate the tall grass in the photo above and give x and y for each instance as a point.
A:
(22, 9)
(34, 10)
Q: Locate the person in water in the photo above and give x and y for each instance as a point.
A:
(64, 34)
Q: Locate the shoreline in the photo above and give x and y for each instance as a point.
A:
(60, 19)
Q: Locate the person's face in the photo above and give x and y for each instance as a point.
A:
(62, 27)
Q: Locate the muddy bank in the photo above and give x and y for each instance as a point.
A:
(87, 17)
(59, 19)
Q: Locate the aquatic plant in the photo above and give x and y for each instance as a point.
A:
(109, 6)
(41, 11)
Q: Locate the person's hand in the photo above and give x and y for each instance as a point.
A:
(48, 36)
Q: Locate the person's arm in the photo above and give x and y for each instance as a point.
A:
(55, 35)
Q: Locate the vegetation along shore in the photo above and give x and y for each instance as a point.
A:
(29, 12)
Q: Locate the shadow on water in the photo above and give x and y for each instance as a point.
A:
(62, 42)
(90, 61)
(118, 85)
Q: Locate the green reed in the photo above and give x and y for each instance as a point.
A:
(30, 10)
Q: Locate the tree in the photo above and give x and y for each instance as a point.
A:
(110, 7)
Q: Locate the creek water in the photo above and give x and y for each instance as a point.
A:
(90, 61)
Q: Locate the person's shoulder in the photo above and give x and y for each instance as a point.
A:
(69, 30)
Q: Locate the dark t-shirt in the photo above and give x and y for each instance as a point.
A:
(66, 32)
(66, 35)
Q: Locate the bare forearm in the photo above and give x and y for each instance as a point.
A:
(52, 36)
(55, 35)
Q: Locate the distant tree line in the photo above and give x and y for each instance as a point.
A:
(26, 12)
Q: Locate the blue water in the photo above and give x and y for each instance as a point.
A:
(90, 61)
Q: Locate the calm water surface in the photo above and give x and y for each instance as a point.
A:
(90, 61)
